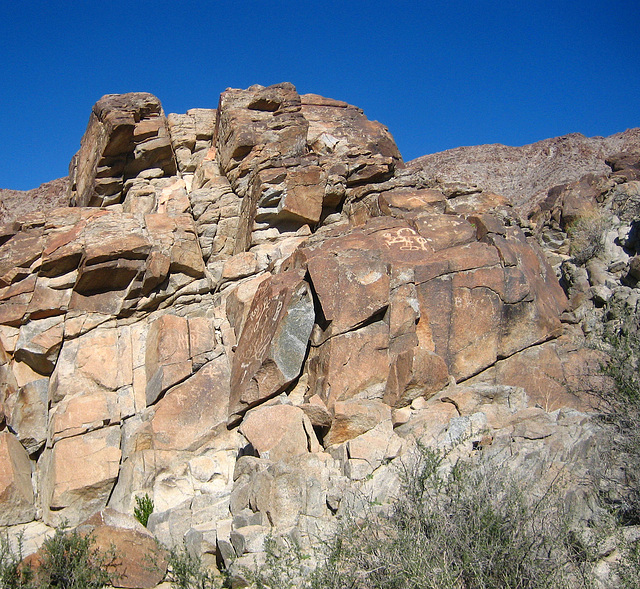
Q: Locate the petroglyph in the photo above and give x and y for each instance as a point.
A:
(405, 239)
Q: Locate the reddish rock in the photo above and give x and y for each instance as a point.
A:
(194, 411)
(126, 134)
(274, 342)
(139, 561)
(524, 174)
(168, 358)
(352, 286)
(355, 417)
(279, 431)
(352, 364)
(39, 343)
(78, 475)
(16, 204)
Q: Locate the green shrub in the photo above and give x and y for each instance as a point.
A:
(69, 560)
(620, 410)
(143, 509)
(11, 575)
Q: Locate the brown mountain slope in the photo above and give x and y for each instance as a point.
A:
(17, 203)
(524, 174)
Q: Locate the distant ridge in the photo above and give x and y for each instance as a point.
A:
(524, 174)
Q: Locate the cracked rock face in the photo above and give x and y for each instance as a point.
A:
(251, 313)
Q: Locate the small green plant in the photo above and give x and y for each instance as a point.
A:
(12, 576)
(143, 509)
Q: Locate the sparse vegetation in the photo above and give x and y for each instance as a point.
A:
(143, 509)
(464, 527)
(587, 234)
(67, 560)
(621, 410)
(188, 572)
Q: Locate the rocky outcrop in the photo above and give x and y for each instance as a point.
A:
(253, 314)
(127, 134)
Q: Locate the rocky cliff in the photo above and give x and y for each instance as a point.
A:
(252, 313)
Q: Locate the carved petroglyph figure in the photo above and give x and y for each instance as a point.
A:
(407, 240)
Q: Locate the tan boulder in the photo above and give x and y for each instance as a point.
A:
(287, 490)
(167, 356)
(16, 491)
(39, 343)
(354, 364)
(239, 266)
(126, 134)
(78, 474)
(78, 414)
(401, 202)
(99, 360)
(497, 402)
(352, 286)
(353, 418)
(28, 416)
(192, 412)
(18, 254)
(239, 302)
(371, 449)
(278, 432)
(553, 374)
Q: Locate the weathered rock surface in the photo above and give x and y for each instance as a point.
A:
(16, 492)
(126, 135)
(253, 314)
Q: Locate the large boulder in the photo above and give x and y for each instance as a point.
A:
(274, 342)
(139, 561)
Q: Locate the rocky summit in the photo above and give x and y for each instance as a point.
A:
(253, 313)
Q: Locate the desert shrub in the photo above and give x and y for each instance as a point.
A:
(69, 560)
(143, 509)
(284, 565)
(620, 409)
(11, 574)
(628, 567)
(587, 234)
(188, 572)
(471, 527)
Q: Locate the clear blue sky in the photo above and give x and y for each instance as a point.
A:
(439, 74)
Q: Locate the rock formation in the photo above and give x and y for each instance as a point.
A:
(251, 313)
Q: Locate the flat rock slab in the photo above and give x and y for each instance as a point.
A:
(273, 344)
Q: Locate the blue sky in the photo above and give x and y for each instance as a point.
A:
(438, 74)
